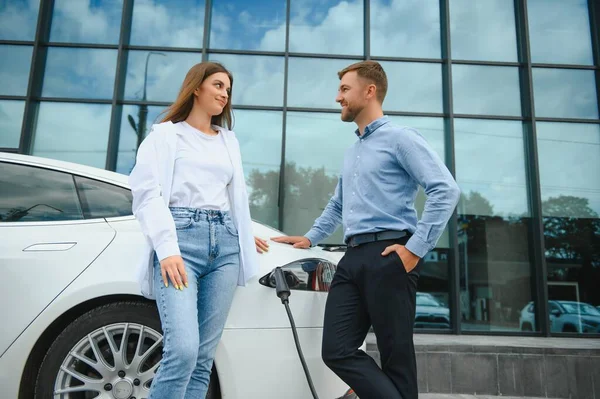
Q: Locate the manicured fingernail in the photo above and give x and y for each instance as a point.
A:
(166, 285)
(186, 285)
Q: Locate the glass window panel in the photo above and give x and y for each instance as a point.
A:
(14, 75)
(134, 118)
(80, 73)
(483, 30)
(312, 171)
(559, 31)
(82, 137)
(18, 19)
(11, 119)
(413, 86)
(32, 194)
(314, 82)
(494, 224)
(486, 90)
(77, 21)
(248, 25)
(103, 200)
(408, 28)
(569, 162)
(257, 80)
(169, 23)
(260, 137)
(162, 78)
(565, 93)
(327, 27)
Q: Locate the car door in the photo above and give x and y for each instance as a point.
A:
(45, 242)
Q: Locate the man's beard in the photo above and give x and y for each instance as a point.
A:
(350, 114)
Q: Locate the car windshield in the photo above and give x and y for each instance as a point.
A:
(426, 301)
(582, 308)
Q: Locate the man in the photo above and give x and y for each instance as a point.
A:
(376, 280)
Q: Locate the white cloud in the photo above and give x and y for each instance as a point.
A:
(340, 31)
(501, 179)
(80, 138)
(405, 28)
(483, 30)
(18, 20)
(487, 90)
(156, 24)
(560, 31)
(80, 21)
(80, 73)
(564, 93)
(569, 161)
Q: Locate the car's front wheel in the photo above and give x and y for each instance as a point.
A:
(109, 352)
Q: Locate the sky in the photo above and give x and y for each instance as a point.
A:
(490, 154)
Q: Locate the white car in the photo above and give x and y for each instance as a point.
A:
(565, 316)
(74, 324)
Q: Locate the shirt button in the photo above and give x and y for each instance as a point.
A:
(351, 211)
(355, 175)
(353, 193)
(358, 156)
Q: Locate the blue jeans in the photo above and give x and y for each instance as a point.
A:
(193, 319)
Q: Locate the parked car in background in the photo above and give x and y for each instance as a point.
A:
(431, 313)
(75, 326)
(565, 316)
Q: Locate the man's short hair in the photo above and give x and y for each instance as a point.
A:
(371, 71)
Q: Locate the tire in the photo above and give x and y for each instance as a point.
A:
(71, 362)
(569, 328)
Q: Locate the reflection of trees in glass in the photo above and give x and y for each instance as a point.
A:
(305, 188)
(475, 204)
(572, 239)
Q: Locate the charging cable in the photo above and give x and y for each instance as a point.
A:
(283, 292)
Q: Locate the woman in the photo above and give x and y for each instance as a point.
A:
(190, 199)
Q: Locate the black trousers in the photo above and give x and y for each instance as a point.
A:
(370, 289)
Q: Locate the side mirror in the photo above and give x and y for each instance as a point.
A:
(555, 312)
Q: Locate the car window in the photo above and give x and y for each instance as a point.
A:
(103, 200)
(426, 301)
(31, 194)
(582, 308)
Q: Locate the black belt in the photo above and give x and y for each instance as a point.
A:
(360, 239)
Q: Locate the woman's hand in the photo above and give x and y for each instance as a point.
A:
(173, 267)
(261, 245)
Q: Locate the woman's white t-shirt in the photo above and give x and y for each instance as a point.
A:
(203, 170)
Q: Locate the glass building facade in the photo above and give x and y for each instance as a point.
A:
(506, 91)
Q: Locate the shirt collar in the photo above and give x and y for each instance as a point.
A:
(371, 127)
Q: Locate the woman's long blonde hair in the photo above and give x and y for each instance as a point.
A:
(181, 108)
